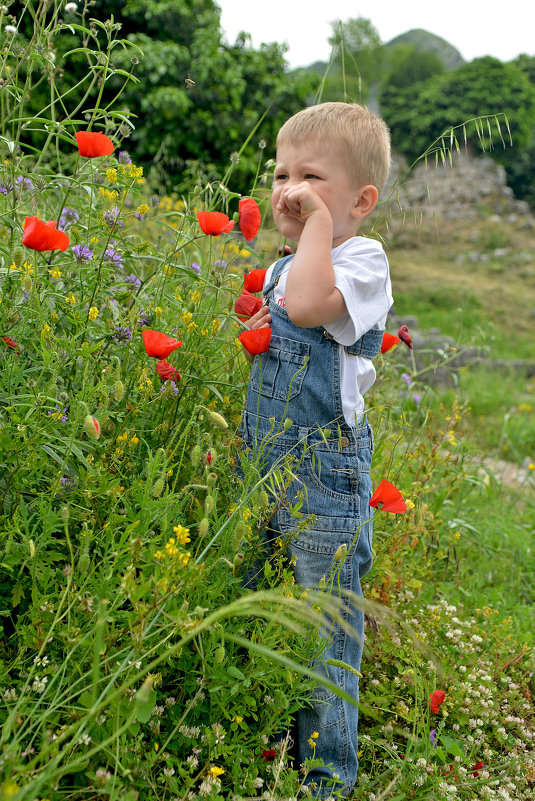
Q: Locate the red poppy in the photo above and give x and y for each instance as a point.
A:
(209, 456)
(269, 755)
(166, 371)
(10, 343)
(477, 768)
(256, 340)
(436, 698)
(94, 144)
(158, 345)
(390, 498)
(389, 341)
(405, 337)
(249, 219)
(92, 426)
(247, 305)
(39, 235)
(285, 250)
(214, 222)
(254, 281)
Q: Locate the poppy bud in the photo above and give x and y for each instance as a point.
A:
(27, 283)
(209, 457)
(217, 419)
(219, 654)
(18, 255)
(31, 546)
(158, 487)
(238, 559)
(405, 337)
(340, 552)
(65, 515)
(92, 427)
(195, 455)
(204, 525)
(143, 694)
(118, 390)
(287, 424)
(264, 499)
(211, 479)
(208, 504)
(240, 528)
(83, 562)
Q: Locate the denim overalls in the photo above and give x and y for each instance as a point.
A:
(298, 379)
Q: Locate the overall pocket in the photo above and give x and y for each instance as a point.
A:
(279, 373)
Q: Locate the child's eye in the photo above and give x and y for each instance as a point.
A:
(309, 175)
(280, 176)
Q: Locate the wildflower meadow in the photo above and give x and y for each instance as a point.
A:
(134, 663)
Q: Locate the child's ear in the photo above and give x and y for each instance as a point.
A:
(365, 201)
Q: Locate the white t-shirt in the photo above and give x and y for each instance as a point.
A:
(362, 276)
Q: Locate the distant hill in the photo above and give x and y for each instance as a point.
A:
(430, 43)
(421, 40)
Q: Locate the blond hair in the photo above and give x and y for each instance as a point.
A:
(363, 135)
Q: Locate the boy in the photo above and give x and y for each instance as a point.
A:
(327, 308)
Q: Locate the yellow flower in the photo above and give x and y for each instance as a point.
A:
(531, 466)
(214, 772)
(158, 310)
(409, 503)
(192, 327)
(182, 534)
(168, 269)
(111, 175)
(159, 555)
(55, 273)
(134, 441)
(122, 437)
(142, 209)
(70, 299)
(195, 296)
(238, 718)
(457, 535)
(183, 559)
(187, 317)
(171, 548)
(46, 329)
(216, 325)
(93, 313)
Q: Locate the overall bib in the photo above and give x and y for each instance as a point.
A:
(298, 380)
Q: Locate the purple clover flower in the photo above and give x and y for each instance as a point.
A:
(82, 253)
(173, 386)
(112, 217)
(24, 183)
(433, 736)
(417, 398)
(124, 157)
(133, 280)
(195, 267)
(6, 188)
(115, 256)
(406, 377)
(68, 217)
(67, 484)
(59, 413)
(122, 334)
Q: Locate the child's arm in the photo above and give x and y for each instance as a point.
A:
(311, 296)
(262, 319)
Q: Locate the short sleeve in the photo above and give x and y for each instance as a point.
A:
(362, 276)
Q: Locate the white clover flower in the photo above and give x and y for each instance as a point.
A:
(71, 8)
(10, 29)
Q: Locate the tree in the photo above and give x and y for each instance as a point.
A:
(408, 66)
(420, 114)
(358, 59)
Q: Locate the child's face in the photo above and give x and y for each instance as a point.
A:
(322, 165)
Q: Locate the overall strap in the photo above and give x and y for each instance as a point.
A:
(278, 267)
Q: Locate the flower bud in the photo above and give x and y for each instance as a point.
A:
(208, 504)
(238, 559)
(18, 256)
(287, 424)
(27, 283)
(143, 694)
(158, 487)
(211, 479)
(31, 546)
(264, 498)
(204, 525)
(118, 390)
(65, 515)
(83, 562)
(219, 654)
(92, 427)
(340, 552)
(240, 528)
(217, 419)
(195, 455)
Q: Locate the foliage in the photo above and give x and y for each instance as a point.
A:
(484, 87)
(185, 71)
(408, 66)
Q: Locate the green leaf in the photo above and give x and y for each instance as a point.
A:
(235, 673)
(143, 708)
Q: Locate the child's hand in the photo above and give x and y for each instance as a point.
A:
(262, 319)
(300, 201)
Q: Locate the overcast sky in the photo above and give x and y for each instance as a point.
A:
(475, 28)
